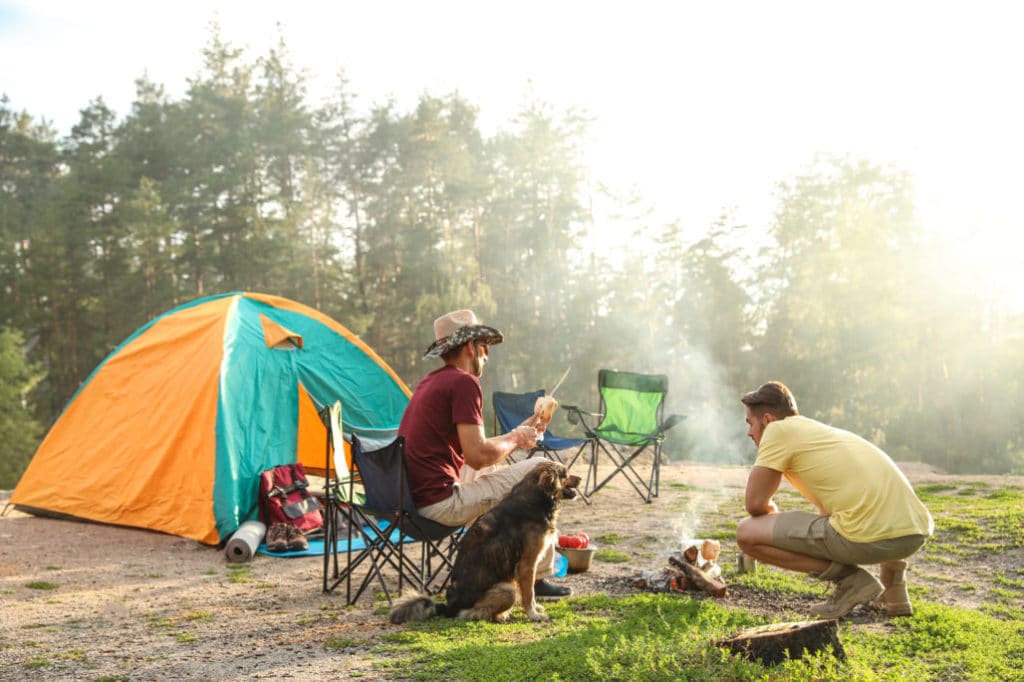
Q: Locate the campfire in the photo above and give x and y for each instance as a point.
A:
(695, 568)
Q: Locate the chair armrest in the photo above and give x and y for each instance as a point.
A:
(671, 421)
(575, 415)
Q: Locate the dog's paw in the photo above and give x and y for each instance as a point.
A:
(538, 616)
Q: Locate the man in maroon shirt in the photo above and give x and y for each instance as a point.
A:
(451, 462)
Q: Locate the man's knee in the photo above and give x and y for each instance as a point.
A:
(754, 530)
(743, 535)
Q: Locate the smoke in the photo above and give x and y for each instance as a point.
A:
(714, 430)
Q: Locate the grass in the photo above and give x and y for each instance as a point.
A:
(650, 637)
(239, 573)
(41, 585)
(670, 637)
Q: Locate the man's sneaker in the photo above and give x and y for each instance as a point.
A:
(542, 589)
(277, 538)
(296, 540)
(860, 587)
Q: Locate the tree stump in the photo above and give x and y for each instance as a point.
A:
(774, 643)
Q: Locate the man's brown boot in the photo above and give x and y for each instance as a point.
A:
(856, 586)
(895, 599)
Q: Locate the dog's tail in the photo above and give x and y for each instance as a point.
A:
(415, 607)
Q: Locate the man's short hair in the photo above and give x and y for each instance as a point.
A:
(772, 397)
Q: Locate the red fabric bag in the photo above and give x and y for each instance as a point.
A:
(285, 498)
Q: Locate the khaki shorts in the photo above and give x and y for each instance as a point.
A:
(812, 535)
(478, 491)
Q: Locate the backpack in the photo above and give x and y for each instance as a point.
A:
(284, 498)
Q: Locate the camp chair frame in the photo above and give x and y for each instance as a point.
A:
(637, 401)
(511, 409)
(388, 526)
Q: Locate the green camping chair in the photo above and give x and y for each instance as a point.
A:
(630, 422)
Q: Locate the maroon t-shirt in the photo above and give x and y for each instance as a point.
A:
(444, 398)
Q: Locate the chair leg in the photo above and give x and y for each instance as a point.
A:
(645, 488)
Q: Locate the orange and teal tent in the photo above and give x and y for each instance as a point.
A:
(171, 431)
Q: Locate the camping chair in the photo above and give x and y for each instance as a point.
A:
(630, 421)
(512, 409)
(384, 529)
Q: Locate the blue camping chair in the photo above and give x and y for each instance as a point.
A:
(511, 409)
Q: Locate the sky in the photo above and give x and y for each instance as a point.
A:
(699, 108)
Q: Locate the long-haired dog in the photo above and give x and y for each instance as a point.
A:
(500, 552)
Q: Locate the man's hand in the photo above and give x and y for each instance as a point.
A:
(525, 437)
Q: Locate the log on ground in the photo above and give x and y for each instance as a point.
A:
(774, 643)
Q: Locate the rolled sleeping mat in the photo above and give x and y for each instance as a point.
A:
(243, 543)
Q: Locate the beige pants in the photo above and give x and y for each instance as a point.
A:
(480, 490)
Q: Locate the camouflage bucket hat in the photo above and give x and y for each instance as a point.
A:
(459, 327)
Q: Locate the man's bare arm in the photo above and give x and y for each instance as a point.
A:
(481, 452)
(762, 483)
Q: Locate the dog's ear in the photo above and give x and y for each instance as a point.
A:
(549, 480)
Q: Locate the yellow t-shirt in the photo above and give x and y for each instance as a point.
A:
(865, 495)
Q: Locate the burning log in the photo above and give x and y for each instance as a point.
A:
(692, 569)
(774, 643)
(696, 577)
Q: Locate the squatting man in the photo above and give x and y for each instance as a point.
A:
(868, 512)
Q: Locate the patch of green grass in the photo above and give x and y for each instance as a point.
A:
(771, 579)
(39, 662)
(199, 616)
(935, 488)
(185, 637)
(612, 556)
(727, 535)
(53, 568)
(1004, 596)
(41, 585)
(1002, 579)
(608, 539)
(239, 573)
(335, 643)
(162, 623)
(667, 637)
(685, 487)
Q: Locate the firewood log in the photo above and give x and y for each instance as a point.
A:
(699, 578)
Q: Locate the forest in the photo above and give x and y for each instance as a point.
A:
(385, 218)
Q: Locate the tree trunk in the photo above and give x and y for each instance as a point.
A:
(772, 644)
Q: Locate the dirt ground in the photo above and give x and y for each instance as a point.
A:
(138, 605)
